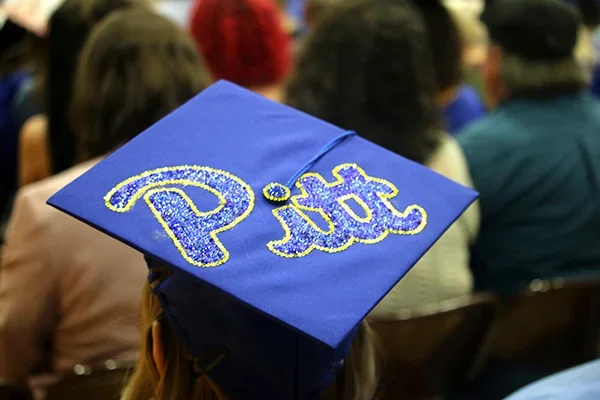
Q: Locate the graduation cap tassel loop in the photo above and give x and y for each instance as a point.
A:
(278, 192)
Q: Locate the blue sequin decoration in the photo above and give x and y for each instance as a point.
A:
(193, 232)
(276, 192)
(345, 227)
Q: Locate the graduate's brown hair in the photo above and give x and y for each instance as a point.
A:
(356, 381)
(135, 68)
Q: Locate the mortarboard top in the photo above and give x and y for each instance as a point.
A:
(281, 286)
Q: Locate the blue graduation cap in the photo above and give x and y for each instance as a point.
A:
(283, 232)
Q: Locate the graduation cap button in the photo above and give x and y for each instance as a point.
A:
(276, 192)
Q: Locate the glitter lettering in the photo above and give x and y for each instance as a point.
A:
(193, 232)
(345, 227)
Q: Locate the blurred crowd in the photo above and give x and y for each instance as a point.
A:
(497, 95)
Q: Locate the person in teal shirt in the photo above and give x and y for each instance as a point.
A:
(535, 159)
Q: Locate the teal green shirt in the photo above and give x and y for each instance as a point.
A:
(536, 164)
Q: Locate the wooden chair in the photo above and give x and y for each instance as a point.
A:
(427, 353)
(13, 391)
(551, 324)
(92, 383)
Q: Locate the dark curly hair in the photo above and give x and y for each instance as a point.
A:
(366, 66)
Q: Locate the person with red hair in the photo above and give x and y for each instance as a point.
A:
(243, 41)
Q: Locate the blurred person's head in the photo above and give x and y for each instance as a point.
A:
(532, 50)
(68, 29)
(243, 41)
(135, 68)
(445, 41)
(164, 370)
(367, 67)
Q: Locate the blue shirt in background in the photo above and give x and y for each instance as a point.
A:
(465, 109)
(536, 164)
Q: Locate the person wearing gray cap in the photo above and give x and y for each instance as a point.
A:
(536, 158)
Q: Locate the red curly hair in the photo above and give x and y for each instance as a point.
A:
(243, 41)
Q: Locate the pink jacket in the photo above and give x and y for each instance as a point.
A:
(63, 281)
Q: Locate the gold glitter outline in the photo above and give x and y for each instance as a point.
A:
(384, 197)
(144, 190)
(268, 196)
(185, 182)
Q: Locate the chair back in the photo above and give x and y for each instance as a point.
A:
(427, 353)
(104, 382)
(550, 324)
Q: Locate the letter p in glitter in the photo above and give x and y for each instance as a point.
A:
(194, 233)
